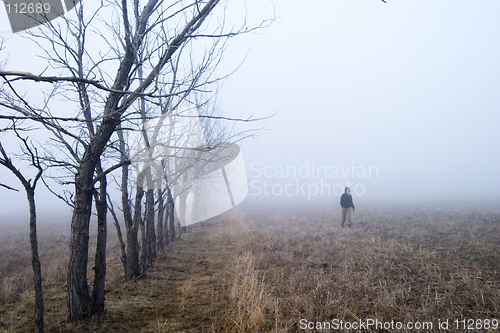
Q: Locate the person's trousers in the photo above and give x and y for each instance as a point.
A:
(346, 216)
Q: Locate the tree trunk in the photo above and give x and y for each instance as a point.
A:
(132, 254)
(30, 194)
(144, 246)
(182, 212)
(78, 298)
(35, 262)
(123, 247)
(161, 208)
(138, 222)
(165, 228)
(171, 223)
(133, 269)
(79, 301)
(98, 292)
(150, 227)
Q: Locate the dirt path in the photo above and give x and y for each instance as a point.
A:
(187, 289)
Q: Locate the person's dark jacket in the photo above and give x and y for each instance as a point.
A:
(346, 201)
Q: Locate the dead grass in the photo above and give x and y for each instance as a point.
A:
(265, 270)
(396, 264)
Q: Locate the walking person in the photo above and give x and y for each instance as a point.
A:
(347, 207)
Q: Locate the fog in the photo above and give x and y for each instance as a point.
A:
(408, 87)
(397, 100)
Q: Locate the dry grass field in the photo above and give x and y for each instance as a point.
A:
(282, 269)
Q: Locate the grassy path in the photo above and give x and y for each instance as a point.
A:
(186, 291)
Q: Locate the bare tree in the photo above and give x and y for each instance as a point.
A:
(30, 186)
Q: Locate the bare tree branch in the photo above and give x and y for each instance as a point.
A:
(6, 186)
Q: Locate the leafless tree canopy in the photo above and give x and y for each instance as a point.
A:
(111, 67)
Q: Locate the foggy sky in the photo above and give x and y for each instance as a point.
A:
(409, 87)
